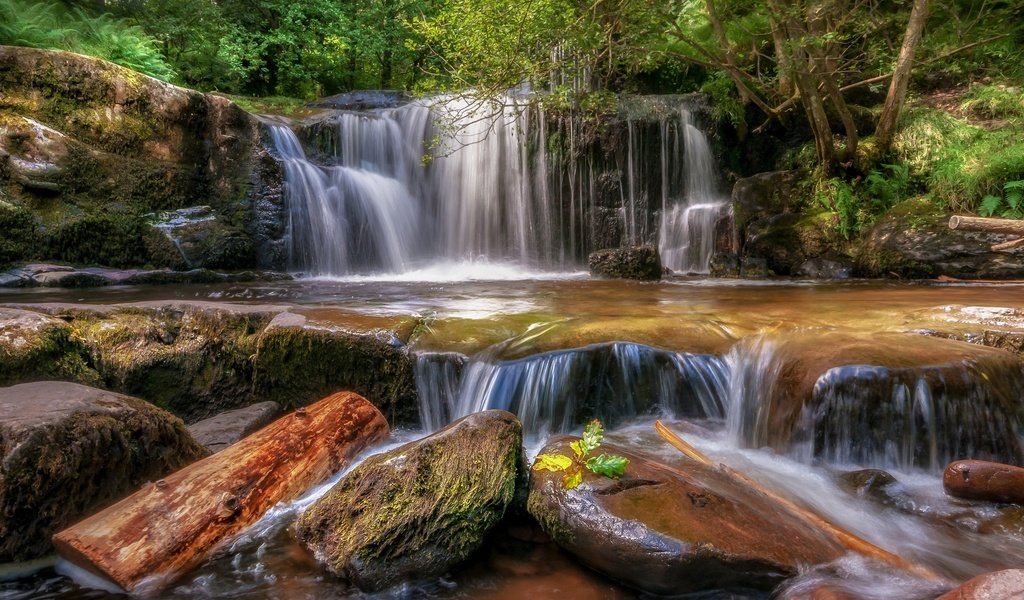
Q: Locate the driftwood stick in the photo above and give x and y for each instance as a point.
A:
(1008, 226)
(842, 536)
(152, 537)
(1010, 245)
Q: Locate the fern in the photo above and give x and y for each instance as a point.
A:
(989, 205)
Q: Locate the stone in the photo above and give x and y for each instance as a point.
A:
(674, 529)
(788, 240)
(753, 267)
(998, 585)
(825, 268)
(418, 510)
(983, 480)
(36, 346)
(913, 240)
(67, 449)
(764, 194)
(725, 264)
(636, 262)
(220, 431)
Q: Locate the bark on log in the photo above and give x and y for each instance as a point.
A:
(147, 540)
(1008, 226)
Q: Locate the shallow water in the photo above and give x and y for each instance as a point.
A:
(525, 314)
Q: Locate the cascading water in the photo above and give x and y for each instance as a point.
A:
(457, 179)
(688, 224)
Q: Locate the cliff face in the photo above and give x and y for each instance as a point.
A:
(91, 153)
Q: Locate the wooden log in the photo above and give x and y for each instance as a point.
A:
(1008, 226)
(1010, 245)
(842, 536)
(149, 539)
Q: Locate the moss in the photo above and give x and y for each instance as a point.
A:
(107, 239)
(34, 347)
(421, 508)
(20, 229)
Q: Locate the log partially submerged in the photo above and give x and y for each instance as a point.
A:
(987, 225)
(842, 536)
(147, 540)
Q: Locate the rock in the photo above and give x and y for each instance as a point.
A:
(753, 268)
(788, 240)
(637, 262)
(893, 400)
(107, 145)
(821, 592)
(416, 511)
(825, 268)
(202, 240)
(67, 449)
(764, 194)
(669, 530)
(983, 480)
(913, 240)
(725, 264)
(72, 279)
(219, 432)
(998, 585)
(35, 346)
(363, 99)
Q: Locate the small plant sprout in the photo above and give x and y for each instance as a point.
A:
(608, 465)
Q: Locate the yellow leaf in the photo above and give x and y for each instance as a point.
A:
(552, 462)
(573, 479)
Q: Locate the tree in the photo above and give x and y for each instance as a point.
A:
(897, 95)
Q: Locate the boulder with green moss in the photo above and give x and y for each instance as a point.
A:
(67, 449)
(636, 262)
(37, 346)
(89, 148)
(418, 510)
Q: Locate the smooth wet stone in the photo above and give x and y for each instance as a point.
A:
(725, 264)
(636, 262)
(889, 400)
(752, 267)
(67, 449)
(825, 268)
(983, 480)
(418, 510)
(998, 585)
(220, 431)
(674, 530)
(871, 483)
(72, 279)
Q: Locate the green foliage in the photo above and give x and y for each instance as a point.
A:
(858, 204)
(959, 163)
(49, 25)
(994, 102)
(608, 465)
(18, 240)
(1008, 206)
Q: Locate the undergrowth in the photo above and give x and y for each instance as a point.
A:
(50, 26)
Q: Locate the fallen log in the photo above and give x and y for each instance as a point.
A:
(842, 536)
(1010, 245)
(1007, 226)
(149, 539)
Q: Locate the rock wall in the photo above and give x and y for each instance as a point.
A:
(90, 152)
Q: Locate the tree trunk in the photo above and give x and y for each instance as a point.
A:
(897, 95)
(149, 539)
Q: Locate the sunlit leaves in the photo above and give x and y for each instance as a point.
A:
(605, 464)
(552, 462)
(608, 465)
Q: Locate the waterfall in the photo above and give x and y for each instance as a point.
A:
(687, 235)
(457, 179)
(555, 391)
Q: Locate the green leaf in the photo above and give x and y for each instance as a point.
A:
(551, 462)
(608, 465)
(989, 205)
(1014, 199)
(573, 480)
(593, 433)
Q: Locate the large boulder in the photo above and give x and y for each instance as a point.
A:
(669, 530)
(913, 240)
(220, 431)
(88, 148)
(635, 262)
(984, 480)
(887, 399)
(418, 510)
(67, 449)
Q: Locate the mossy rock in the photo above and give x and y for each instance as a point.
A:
(19, 240)
(67, 449)
(35, 346)
(417, 511)
(640, 262)
(108, 239)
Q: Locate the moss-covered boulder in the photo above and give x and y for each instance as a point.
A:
(674, 529)
(637, 262)
(418, 510)
(67, 449)
(914, 240)
(89, 147)
(37, 346)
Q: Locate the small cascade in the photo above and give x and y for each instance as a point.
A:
(556, 391)
(688, 224)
